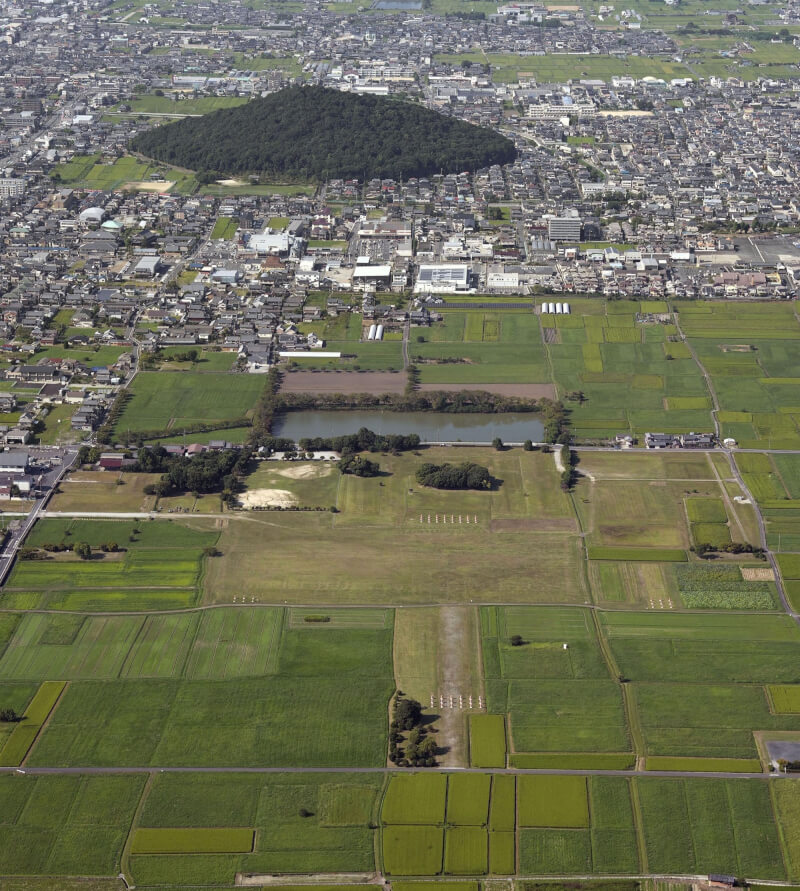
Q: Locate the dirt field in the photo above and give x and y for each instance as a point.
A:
(376, 382)
(149, 187)
(525, 391)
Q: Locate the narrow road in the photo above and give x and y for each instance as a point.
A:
(102, 771)
(406, 333)
(17, 537)
(706, 376)
(762, 527)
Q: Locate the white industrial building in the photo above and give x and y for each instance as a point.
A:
(442, 279)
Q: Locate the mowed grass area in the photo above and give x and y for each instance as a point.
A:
(65, 825)
(334, 837)
(299, 483)
(91, 172)
(231, 686)
(164, 400)
(520, 543)
(750, 352)
(158, 565)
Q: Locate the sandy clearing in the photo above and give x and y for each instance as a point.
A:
(374, 382)
(231, 182)
(523, 391)
(306, 471)
(150, 187)
(267, 498)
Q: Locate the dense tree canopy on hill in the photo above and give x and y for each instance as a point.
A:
(455, 476)
(316, 133)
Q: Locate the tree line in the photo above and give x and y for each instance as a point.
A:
(363, 441)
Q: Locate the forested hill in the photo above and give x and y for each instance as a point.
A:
(317, 133)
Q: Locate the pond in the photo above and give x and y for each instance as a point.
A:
(430, 426)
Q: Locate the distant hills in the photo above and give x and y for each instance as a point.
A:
(317, 133)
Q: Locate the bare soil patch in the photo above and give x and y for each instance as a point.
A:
(375, 382)
(267, 498)
(524, 391)
(306, 471)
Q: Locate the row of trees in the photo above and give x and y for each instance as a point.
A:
(456, 402)
(364, 440)
(455, 476)
(706, 550)
(205, 472)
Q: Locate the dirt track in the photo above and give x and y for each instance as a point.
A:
(525, 391)
(377, 382)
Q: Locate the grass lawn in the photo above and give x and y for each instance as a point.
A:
(162, 400)
(57, 429)
(384, 565)
(104, 491)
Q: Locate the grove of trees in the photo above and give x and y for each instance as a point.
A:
(455, 476)
(309, 132)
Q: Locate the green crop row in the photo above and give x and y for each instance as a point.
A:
(487, 740)
(227, 840)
